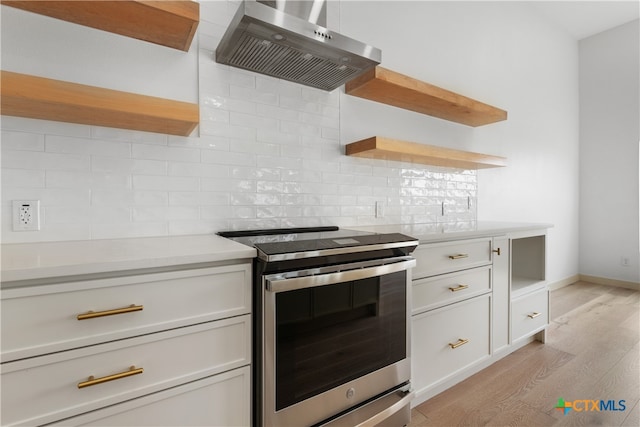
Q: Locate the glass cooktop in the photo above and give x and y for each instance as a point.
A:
(297, 240)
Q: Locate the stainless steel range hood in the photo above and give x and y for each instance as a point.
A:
(266, 37)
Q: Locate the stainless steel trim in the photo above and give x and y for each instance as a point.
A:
(349, 272)
(335, 251)
(382, 409)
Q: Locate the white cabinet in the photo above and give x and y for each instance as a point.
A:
(438, 258)
(220, 400)
(529, 314)
(451, 311)
(49, 315)
(448, 340)
(433, 292)
(529, 292)
(501, 299)
(86, 345)
(473, 302)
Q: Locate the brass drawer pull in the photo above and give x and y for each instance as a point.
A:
(461, 341)
(459, 288)
(533, 315)
(497, 251)
(459, 256)
(94, 381)
(94, 314)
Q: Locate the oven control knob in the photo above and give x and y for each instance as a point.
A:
(350, 393)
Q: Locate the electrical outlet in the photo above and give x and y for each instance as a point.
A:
(624, 261)
(26, 215)
(379, 209)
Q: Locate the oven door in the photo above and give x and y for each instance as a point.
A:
(334, 338)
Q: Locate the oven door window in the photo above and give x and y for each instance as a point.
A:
(329, 335)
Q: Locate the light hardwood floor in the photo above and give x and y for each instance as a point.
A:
(592, 352)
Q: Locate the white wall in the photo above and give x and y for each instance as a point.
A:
(270, 153)
(48, 47)
(609, 135)
(506, 55)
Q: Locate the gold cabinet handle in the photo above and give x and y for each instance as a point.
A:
(459, 256)
(94, 381)
(459, 288)
(533, 315)
(94, 314)
(461, 341)
(497, 251)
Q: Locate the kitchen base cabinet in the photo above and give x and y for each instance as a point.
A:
(157, 342)
(451, 312)
(529, 314)
(156, 302)
(475, 301)
(219, 400)
(448, 340)
(153, 362)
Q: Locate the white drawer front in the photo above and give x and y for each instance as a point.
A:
(432, 357)
(439, 258)
(220, 400)
(45, 389)
(448, 288)
(47, 314)
(529, 314)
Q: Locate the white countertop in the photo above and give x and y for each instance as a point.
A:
(32, 261)
(462, 230)
(29, 261)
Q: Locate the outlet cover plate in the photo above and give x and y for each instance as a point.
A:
(26, 215)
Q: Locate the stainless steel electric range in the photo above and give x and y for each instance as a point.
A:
(331, 325)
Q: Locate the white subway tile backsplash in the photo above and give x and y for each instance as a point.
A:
(214, 115)
(45, 127)
(175, 198)
(152, 152)
(228, 184)
(23, 178)
(253, 95)
(97, 180)
(226, 130)
(255, 199)
(129, 229)
(62, 144)
(21, 141)
(270, 135)
(227, 158)
(250, 120)
(166, 183)
(299, 128)
(86, 215)
(36, 160)
(268, 153)
(108, 197)
(128, 135)
(166, 213)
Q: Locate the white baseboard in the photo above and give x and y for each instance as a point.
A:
(611, 282)
(593, 279)
(564, 282)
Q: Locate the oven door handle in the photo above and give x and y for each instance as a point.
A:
(293, 283)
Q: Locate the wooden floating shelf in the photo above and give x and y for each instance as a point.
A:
(41, 98)
(392, 149)
(167, 23)
(388, 87)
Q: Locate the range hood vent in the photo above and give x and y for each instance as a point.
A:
(269, 41)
